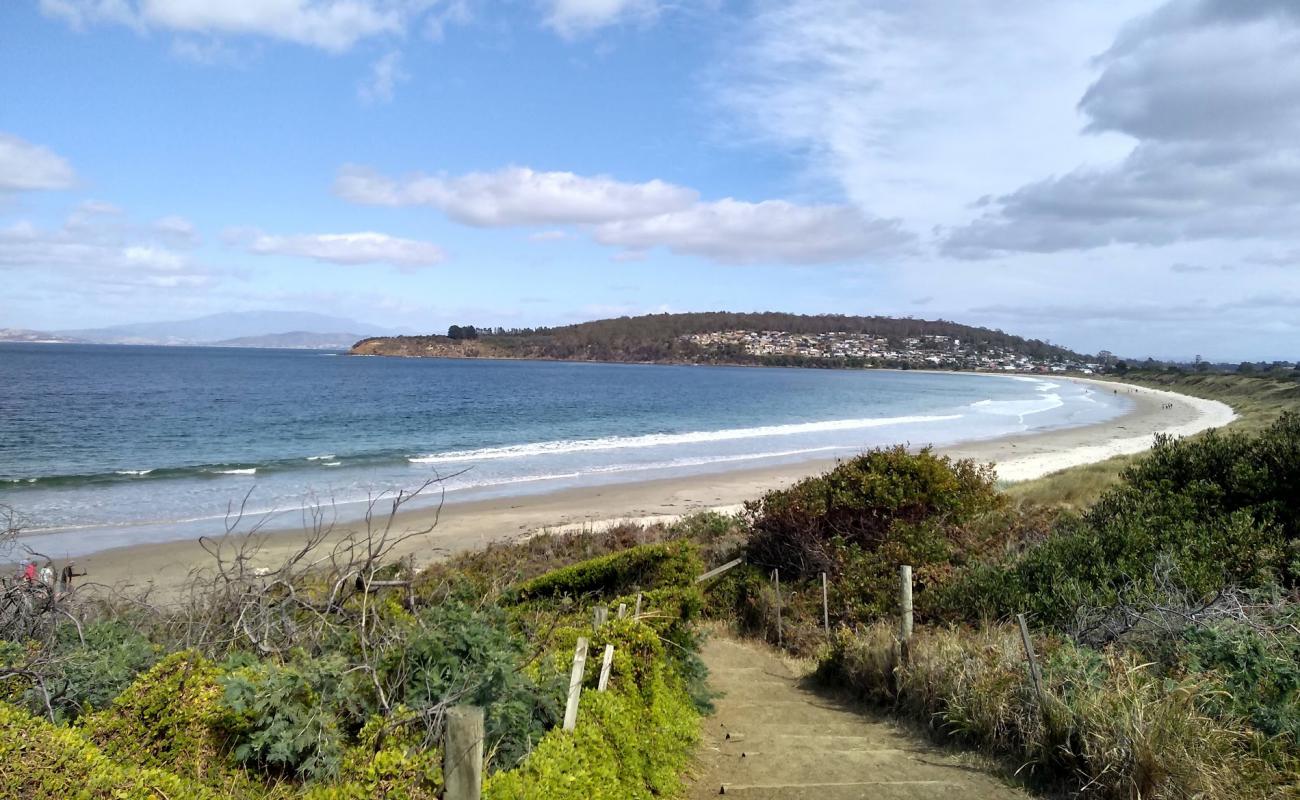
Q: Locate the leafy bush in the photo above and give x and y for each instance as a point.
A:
(38, 759)
(468, 655)
(389, 761)
(170, 718)
(91, 674)
(861, 520)
(1220, 510)
(644, 567)
(292, 718)
(632, 741)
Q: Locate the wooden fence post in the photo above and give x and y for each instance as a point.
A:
(1034, 674)
(826, 607)
(602, 614)
(622, 610)
(575, 684)
(776, 581)
(605, 667)
(905, 609)
(637, 612)
(463, 753)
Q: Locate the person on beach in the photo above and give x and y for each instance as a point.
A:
(65, 577)
(47, 574)
(29, 571)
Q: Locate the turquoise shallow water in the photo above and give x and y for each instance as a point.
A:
(104, 445)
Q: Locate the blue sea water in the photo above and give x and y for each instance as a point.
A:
(107, 445)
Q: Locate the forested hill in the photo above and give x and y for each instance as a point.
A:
(725, 337)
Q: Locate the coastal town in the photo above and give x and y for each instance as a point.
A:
(924, 352)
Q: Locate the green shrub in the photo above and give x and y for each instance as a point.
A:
(389, 760)
(90, 675)
(291, 719)
(470, 656)
(1207, 513)
(632, 741)
(170, 718)
(644, 567)
(38, 759)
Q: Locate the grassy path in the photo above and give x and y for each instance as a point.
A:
(771, 737)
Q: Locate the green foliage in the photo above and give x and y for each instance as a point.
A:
(170, 718)
(632, 741)
(1260, 673)
(92, 673)
(389, 760)
(38, 759)
(871, 513)
(648, 566)
(292, 718)
(468, 655)
(1216, 511)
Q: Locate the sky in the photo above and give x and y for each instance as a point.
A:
(1120, 176)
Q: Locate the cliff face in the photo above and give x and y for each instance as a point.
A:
(427, 347)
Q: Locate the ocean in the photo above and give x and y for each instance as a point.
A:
(105, 445)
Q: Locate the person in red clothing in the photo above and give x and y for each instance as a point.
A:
(29, 572)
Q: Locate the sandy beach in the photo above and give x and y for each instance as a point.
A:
(475, 523)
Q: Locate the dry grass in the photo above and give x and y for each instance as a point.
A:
(1075, 488)
(1106, 726)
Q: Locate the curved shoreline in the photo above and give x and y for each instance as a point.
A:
(473, 524)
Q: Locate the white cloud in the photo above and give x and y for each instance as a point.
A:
(88, 252)
(773, 231)
(517, 196)
(25, 166)
(333, 25)
(571, 18)
(346, 248)
(916, 109)
(177, 228)
(1210, 90)
(384, 76)
(638, 216)
(548, 236)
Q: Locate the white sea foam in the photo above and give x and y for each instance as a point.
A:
(666, 439)
(1019, 408)
(250, 471)
(331, 463)
(133, 471)
(325, 457)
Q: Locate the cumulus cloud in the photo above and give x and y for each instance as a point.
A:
(25, 166)
(772, 231)
(344, 248)
(1210, 89)
(516, 196)
(638, 216)
(572, 18)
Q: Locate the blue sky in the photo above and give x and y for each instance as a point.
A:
(1042, 168)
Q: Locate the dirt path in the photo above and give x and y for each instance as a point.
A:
(772, 738)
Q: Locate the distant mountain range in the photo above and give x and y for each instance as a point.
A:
(290, 329)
